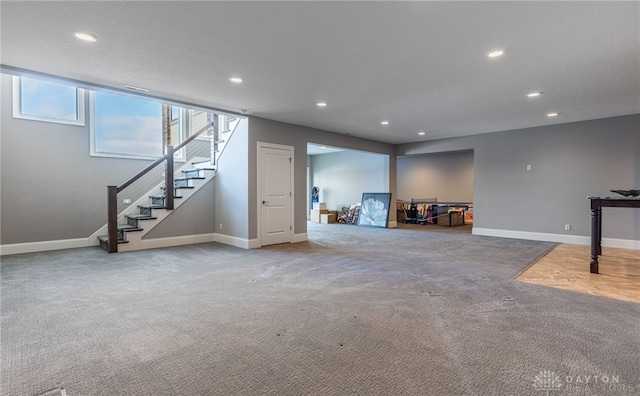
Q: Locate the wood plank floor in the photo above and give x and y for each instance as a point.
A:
(567, 267)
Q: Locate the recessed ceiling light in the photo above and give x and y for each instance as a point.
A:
(534, 94)
(495, 53)
(324, 147)
(86, 37)
(138, 89)
(552, 114)
(322, 104)
(422, 133)
(384, 122)
(236, 80)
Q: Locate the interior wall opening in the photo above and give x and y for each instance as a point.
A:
(436, 189)
(342, 175)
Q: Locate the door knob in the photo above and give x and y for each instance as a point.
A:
(265, 202)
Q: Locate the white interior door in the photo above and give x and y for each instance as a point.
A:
(275, 195)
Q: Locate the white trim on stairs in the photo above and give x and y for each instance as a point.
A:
(144, 244)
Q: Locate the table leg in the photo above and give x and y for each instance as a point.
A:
(599, 231)
(595, 238)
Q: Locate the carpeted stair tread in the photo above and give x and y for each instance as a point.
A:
(152, 206)
(162, 196)
(128, 228)
(105, 239)
(139, 216)
(195, 170)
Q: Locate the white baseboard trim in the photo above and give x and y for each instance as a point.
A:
(233, 241)
(559, 238)
(299, 237)
(392, 224)
(619, 243)
(144, 244)
(44, 246)
(255, 243)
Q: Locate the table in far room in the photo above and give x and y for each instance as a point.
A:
(597, 203)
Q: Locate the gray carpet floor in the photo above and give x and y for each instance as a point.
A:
(418, 310)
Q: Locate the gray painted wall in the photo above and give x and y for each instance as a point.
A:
(569, 162)
(342, 177)
(262, 130)
(232, 185)
(193, 217)
(445, 176)
(52, 189)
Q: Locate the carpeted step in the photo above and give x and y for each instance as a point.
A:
(133, 219)
(195, 173)
(185, 182)
(159, 199)
(104, 241)
(148, 208)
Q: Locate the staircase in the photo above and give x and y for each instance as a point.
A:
(127, 228)
(149, 211)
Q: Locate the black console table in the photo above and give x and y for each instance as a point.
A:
(597, 203)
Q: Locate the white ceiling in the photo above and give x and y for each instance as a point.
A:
(421, 65)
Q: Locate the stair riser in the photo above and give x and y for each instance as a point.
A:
(132, 222)
(194, 173)
(176, 192)
(145, 211)
(183, 183)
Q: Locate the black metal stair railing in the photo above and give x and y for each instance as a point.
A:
(169, 182)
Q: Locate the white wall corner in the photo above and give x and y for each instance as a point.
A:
(302, 237)
(254, 244)
(392, 224)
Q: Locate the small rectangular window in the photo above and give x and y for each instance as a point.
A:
(47, 101)
(124, 126)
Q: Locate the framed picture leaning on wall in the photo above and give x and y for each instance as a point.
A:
(374, 209)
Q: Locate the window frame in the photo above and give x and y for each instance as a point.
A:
(92, 136)
(16, 84)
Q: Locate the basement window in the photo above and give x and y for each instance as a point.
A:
(43, 100)
(124, 126)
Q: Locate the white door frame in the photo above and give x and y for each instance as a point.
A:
(259, 205)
